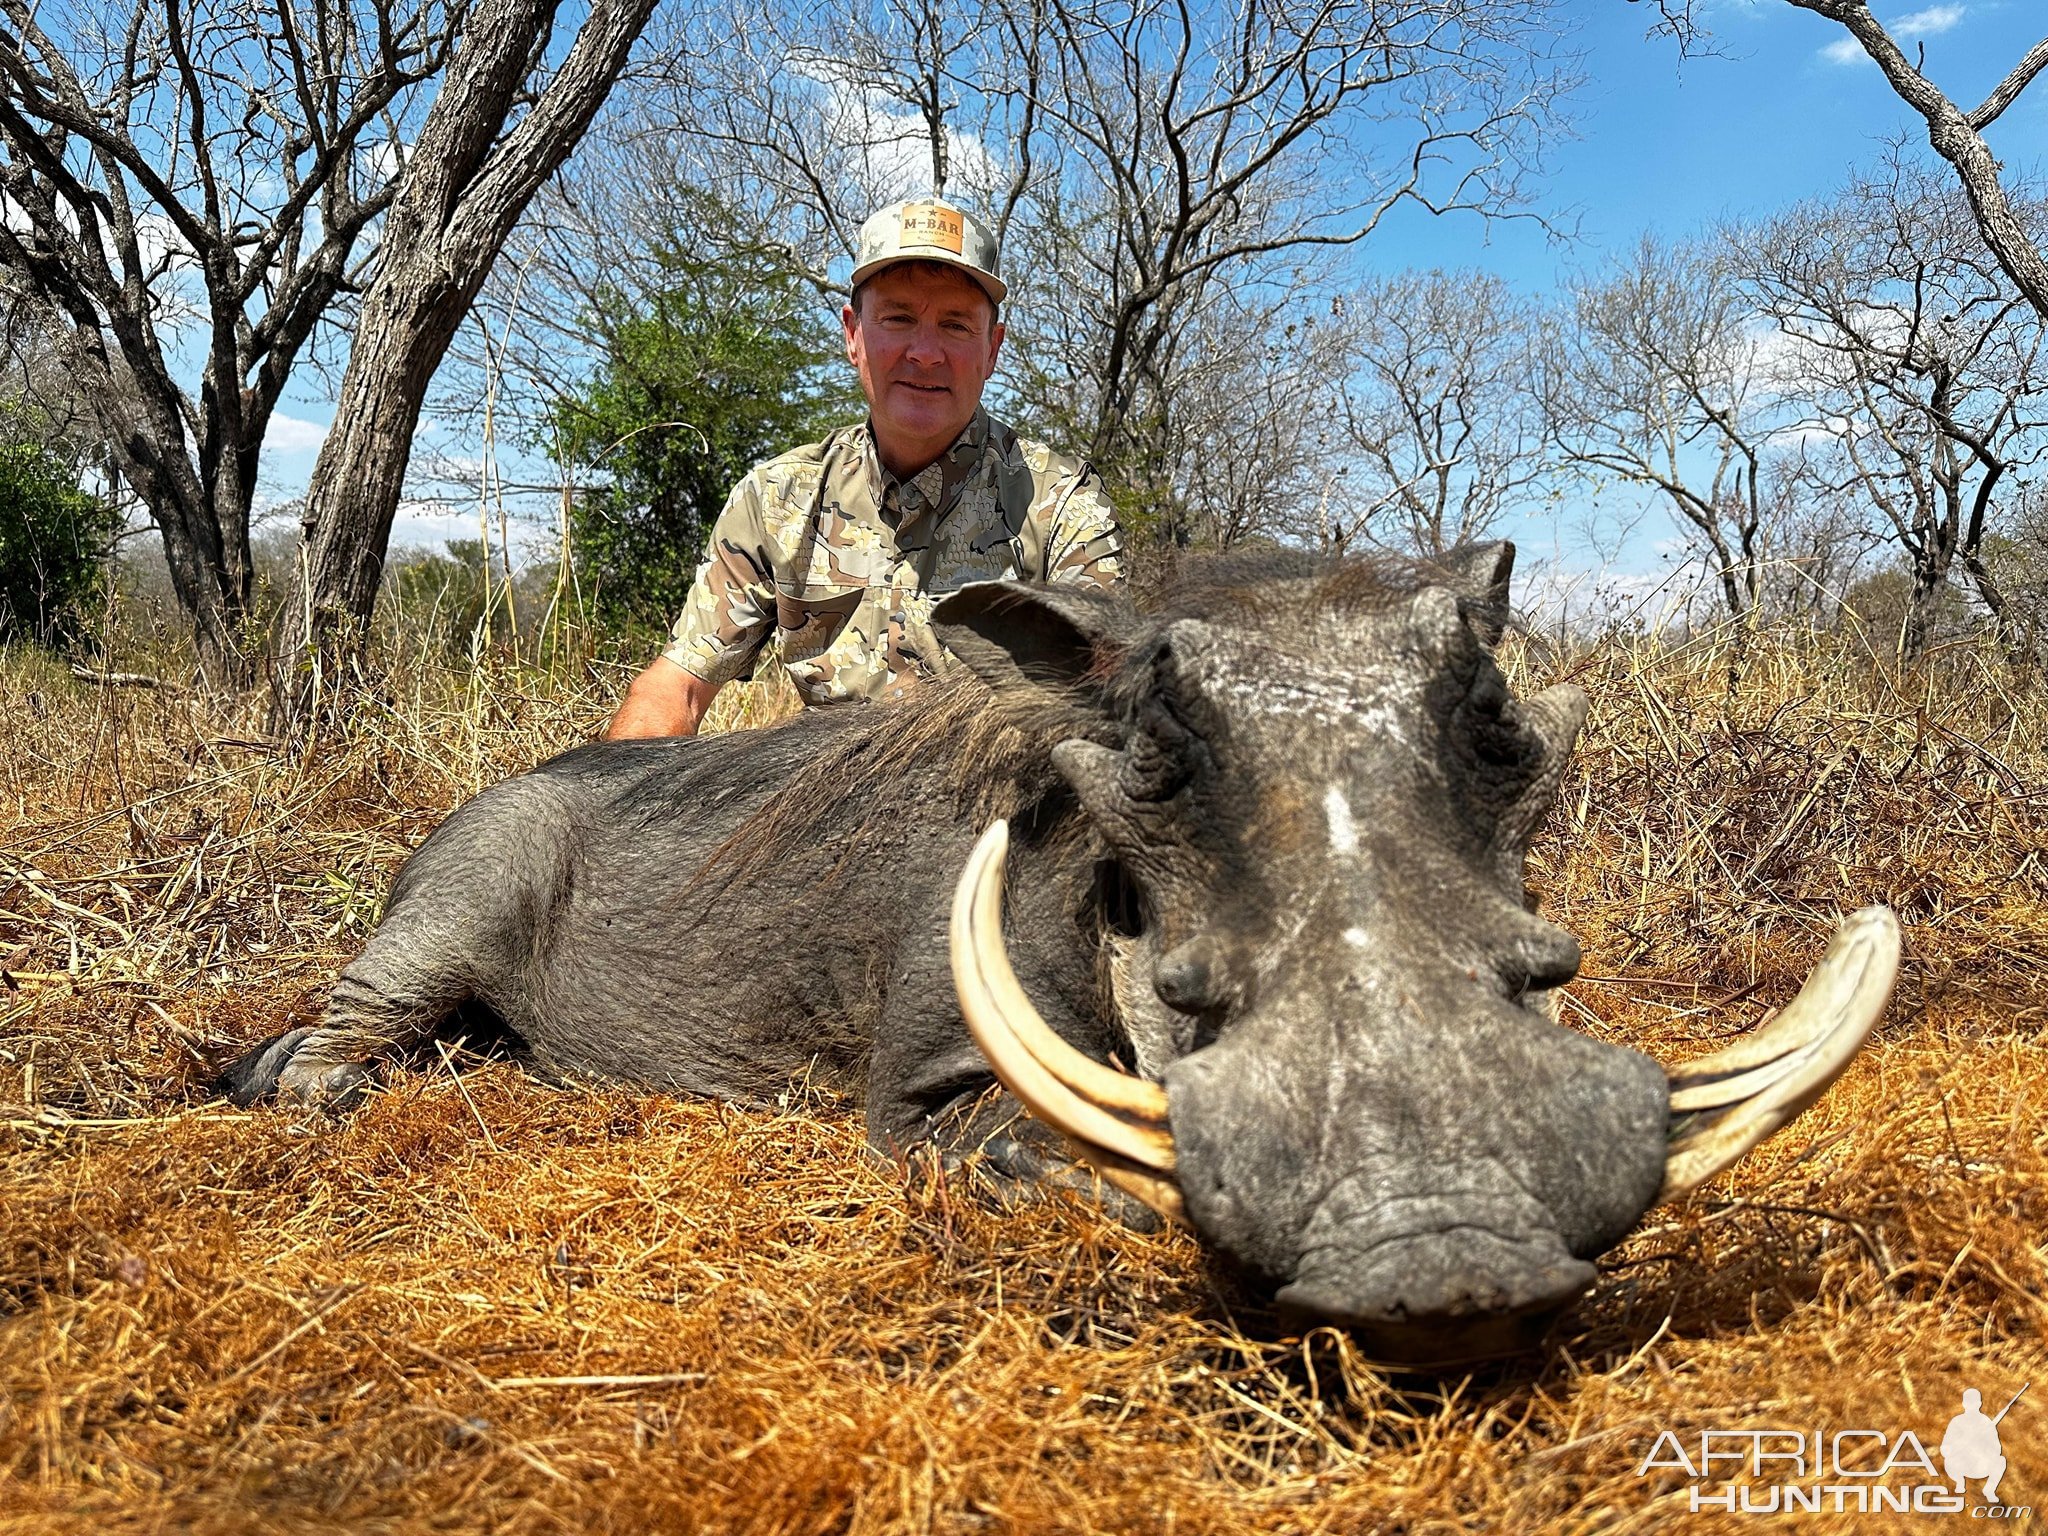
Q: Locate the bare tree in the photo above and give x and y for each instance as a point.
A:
(598, 239)
(37, 386)
(1155, 172)
(191, 192)
(2019, 556)
(1655, 377)
(1814, 546)
(806, 119)
(1955, 134)
(1443, 408)
(1191, 154)
(1923, 365)
(501, 123)
(1250, 440)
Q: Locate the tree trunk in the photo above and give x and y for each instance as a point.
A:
(464, 190)
(202, 524)
(405, 326)
(1920, 601)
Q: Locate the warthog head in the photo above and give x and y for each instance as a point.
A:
(1320, 793)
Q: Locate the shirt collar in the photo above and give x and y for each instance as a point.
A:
(925, 491)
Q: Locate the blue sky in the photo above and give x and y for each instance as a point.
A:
(1671, 145)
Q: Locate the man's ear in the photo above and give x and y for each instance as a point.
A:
(1016, 635)
(1477, 575)
(849, 322)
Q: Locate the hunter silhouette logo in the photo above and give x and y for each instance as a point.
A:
(1870, 1471)
(1971, 1449)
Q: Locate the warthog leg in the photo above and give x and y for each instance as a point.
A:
(476, 901)
(928, 1082)
(395, 994)
(252, 1076)
(993, 1145)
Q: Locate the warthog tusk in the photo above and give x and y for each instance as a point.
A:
(1724, 1104)
(1116, 1121)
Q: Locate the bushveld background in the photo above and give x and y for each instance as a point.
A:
(486, 1304)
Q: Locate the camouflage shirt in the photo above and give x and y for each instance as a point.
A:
(827, 552)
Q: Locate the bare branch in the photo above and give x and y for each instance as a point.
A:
(166, 160)
(2007, 91)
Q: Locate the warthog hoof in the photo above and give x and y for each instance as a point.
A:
(252, 1076)
(276, 1067)
(336, 1089)
(1006, 1156)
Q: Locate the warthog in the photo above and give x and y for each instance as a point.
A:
(1270, 963)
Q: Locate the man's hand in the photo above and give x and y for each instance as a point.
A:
(664, 700)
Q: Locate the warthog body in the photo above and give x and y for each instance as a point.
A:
(1266, 850)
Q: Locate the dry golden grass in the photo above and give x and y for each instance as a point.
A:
(484, 1304)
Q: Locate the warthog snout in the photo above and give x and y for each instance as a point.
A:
(1329, 977)
(1374, 1173)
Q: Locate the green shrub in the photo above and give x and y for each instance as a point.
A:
(55, 538)
(733, 360)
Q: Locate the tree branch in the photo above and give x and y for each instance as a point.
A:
(2007, 91)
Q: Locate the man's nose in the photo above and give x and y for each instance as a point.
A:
(924, 346)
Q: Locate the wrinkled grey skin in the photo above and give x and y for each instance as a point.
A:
(1289, 828)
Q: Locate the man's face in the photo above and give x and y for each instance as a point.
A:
(922, 345)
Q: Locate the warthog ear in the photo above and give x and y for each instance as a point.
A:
(1478, 575)
(1014, 634)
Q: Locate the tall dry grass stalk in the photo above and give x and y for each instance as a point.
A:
(485, 1304)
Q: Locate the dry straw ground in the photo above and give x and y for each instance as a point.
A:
(487, 1304)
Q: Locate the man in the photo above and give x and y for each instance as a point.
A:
(837, 548)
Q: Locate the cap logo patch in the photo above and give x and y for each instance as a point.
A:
(929, 224)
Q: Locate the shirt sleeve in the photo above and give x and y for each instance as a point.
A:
(730, 611)
(1084, 544)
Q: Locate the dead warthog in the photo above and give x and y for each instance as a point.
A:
(1258, 850)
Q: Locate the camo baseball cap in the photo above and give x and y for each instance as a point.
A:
(929, 230)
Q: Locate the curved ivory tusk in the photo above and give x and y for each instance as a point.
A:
(1156, 1190)
(1724, 1104)
(1118, 1122)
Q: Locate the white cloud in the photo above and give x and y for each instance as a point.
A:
(462, 468)
(288, 434)
(430, 525)
(1819, 432)
(1936, 18)
(1928, 22)
(383, 159)
(891, 140)
(1570, 593)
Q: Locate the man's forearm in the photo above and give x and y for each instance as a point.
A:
(664, 700)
